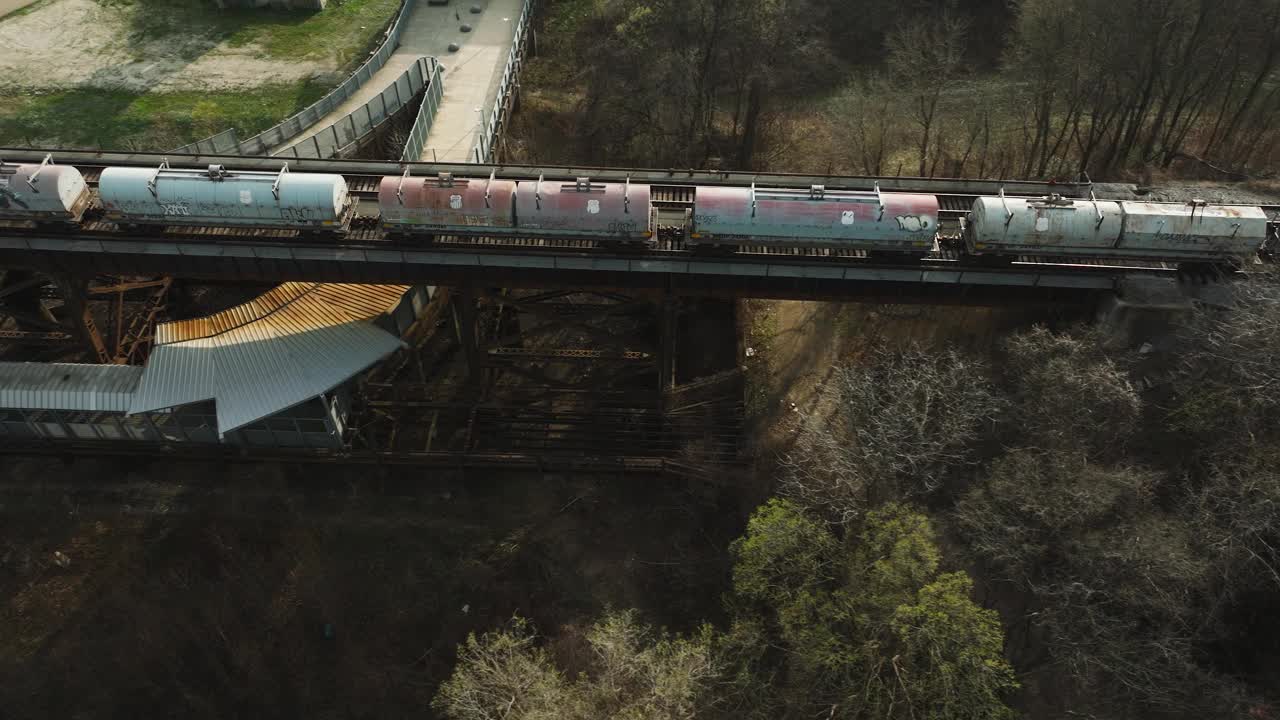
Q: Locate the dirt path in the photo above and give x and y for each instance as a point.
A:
(69, 43)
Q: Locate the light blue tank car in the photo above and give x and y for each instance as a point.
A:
(218, 197)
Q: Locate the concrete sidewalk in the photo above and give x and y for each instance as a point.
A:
(471, 75)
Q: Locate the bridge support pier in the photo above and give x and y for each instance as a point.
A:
(75, 297)
(1142, 310)
(465, 321)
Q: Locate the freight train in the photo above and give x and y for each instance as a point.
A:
(420, 209)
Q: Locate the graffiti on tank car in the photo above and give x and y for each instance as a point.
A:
(912, 223)
(295, 214)
(708, 219)
(622, 227)
(7, 197)
(1180, 239)
(176, 209)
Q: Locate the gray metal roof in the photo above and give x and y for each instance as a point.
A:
(67, 386)
(283, 348)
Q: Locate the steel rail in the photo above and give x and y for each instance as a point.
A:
(685, 177)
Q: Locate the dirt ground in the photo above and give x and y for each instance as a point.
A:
(792, 347)
(69, 43)
(1239, 193)
(319, 591)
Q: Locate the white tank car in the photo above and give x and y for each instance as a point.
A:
(1054, 225)
(1193, 230)
(168, 196)
(43, 192)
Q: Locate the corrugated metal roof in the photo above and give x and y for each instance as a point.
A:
(67, 386)
(283, 348)
(355, 302)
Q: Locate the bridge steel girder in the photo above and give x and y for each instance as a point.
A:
(75, 293)
(961, 286)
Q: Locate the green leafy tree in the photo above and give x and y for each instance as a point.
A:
(889, 637)
(948, 654)
(783, 554)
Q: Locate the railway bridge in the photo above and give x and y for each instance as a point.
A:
(599, 418)
(367, 256)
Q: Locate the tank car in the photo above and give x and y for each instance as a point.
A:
(43, 193)
(611, 211)
(218, 197)
(1193, 232)
(446, 205)
(817, 217)
(1053, 224)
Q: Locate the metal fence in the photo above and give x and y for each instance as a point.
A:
(425, 118)
(482, 151)
(227, 142)
(334, 140)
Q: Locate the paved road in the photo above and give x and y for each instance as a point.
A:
(471, 75)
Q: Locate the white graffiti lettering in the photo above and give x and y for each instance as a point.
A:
(912, 223)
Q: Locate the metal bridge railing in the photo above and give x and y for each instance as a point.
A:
(482, 151)
(426, 116)
(334, 140)
(227, 142)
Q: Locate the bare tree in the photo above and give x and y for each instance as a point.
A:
(1228, 381)
(926, 54)
(1032, 502)
(1120, 587)
(1068, 394)
(634, 672)
(503, 673)
(865, 113)
(895, 426)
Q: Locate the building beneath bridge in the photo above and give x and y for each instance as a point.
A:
(273, 372)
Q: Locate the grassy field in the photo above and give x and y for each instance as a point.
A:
(342, 31)
(119, 120)
(241, 68)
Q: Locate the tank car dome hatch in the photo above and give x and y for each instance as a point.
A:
(42, 191)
